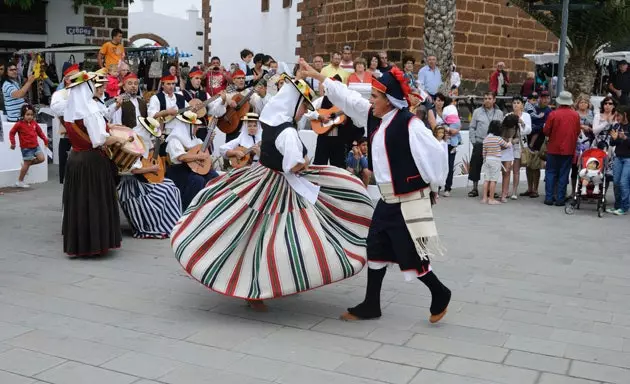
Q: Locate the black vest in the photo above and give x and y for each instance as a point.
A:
(200, 94)
(405, 175)
(180, 100)
(270, 157)
(128, 112)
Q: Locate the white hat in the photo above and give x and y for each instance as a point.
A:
(565, 98)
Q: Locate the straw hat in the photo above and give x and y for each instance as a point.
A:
(151, 125)
(251, 116)
(302, 87)
(189, 117)
(80, 78)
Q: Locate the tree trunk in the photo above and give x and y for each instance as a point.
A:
(579, 74)
(439, 24)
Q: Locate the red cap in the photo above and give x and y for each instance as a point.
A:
(195, 74)
(168, 79)
(71, 69)
(130, 76)
(238, 73)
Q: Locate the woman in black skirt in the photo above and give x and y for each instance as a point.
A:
(91, 223)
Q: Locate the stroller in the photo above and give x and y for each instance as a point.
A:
(600, 197)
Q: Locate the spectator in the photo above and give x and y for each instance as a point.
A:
(620, 86)
(583, 108)
(2, 72)
(620, 136)
(360, 74)
(113, 82)
(14, 95)
(499, 80)
(478, 130)
(524, 129)
(429, 77)
(258, 70)
(334, 68)
(112, 51)
(510, 132)
(529, 85)
(357, 161)
(318, 64)
(383, 62)
(493, 144)
(243, 64)
(445, 114)
(456, 81)
(373, 66)
(48, 86)
(346, 59)
(562, 128)
(408, 64)
(535, 143)
(217, 78)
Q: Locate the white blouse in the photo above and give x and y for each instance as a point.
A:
(289, 144)
(428, 154)
(175, 149)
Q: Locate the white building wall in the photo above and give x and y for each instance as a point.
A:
(238, 24)
(178, 32)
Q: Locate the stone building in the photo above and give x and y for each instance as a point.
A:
(104, 20)
(486, 31)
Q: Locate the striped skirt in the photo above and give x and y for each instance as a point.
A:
(151, 209)
(248, 234)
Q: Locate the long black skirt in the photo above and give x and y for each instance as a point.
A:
(91, 222)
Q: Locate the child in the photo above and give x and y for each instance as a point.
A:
(591, 174)
(28, 130)
(440, 133)
(113, 84)
(492, 146)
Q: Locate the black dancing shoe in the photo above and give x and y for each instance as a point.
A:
(361, 312)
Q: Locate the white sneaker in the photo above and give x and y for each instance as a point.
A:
(447, 194)
(21, 184)
(596, 190)
(583, 191)
(514, 197)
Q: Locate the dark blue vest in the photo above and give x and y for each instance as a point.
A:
(180, 100)
(270, 157)
(405, 175)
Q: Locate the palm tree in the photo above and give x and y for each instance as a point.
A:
(589, 31)
(439, 24)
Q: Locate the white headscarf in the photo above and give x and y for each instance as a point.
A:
(245, 139)
(282, 107)
(80, 103)
(183, 133)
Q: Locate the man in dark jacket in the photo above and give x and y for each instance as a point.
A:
(562, 128)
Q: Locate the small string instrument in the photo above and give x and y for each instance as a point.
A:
(244, 161)
(197, 106)
(202, 167)
(337, 118)
(124, 96)
(231, 121)
(155, 159)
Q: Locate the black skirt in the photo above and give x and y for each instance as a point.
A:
(91, 222)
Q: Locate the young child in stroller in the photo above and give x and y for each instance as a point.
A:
(592, 173)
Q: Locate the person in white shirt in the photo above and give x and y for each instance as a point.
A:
(406, 160)
(346, 59)
(167, 104)
(257, 100)
(247, 143)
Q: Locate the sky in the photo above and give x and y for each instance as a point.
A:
(168, 7)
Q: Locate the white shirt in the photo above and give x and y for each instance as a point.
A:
(171, 102)
(289, 144)
(146, 137)
(96, 128)
(428, 154)
(58, 101)
(246, 141)
(175, 149)
(255, 101)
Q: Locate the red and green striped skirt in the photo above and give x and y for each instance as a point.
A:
(248, 234)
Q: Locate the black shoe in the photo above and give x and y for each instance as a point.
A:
(549, 202)
(525, 194)
(362, 312)
(559, 203)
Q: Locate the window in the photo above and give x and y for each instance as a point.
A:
(14, 19)
(264, 5)
(286, 3)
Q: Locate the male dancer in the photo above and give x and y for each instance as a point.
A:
(406, 160)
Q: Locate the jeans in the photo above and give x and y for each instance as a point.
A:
(451, 169)
(557, 172)
(621, 176)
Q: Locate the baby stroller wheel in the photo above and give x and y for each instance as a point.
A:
(569, 209)
(600, 211)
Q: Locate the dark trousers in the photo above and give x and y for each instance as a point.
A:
(557, 176)
(63, 149)
(451, 169)
(476, 161)
(231, 136)
(330, 148)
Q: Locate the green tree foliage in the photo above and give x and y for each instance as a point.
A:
(26, 4)
(605, 24)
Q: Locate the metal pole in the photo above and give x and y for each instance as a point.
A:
(563, 45)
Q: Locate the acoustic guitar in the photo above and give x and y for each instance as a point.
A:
(124, 96)
(202, 167)
(337, 118)
(197, 106)
(155, 159)
(231, 121)
(244, 161)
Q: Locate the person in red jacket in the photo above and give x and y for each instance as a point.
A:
(562, 129)
(28, 130)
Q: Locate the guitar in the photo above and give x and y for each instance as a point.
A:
(155, 159)
(244, 161)
(202, 167)
(230, 122)
(196, 106)
(337, 118)
(125, 97)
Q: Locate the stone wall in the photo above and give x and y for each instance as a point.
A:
(104, 20)
(486, 31)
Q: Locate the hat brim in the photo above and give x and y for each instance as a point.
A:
(564, 102)
(90, 77)
(157, 132)
(309, 105)
(184, 120)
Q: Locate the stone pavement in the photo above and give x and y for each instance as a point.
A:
(539, 297)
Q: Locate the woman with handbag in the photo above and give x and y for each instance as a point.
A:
(519, 144)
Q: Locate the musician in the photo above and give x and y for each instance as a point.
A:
(194, 90)
(179, 142)
(406, 160)
(166, 103)
(58, 103)
(268, 231)
(257, 100)
(250, 136)
(91, 223)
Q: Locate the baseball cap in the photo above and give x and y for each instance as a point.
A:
(545, 94)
